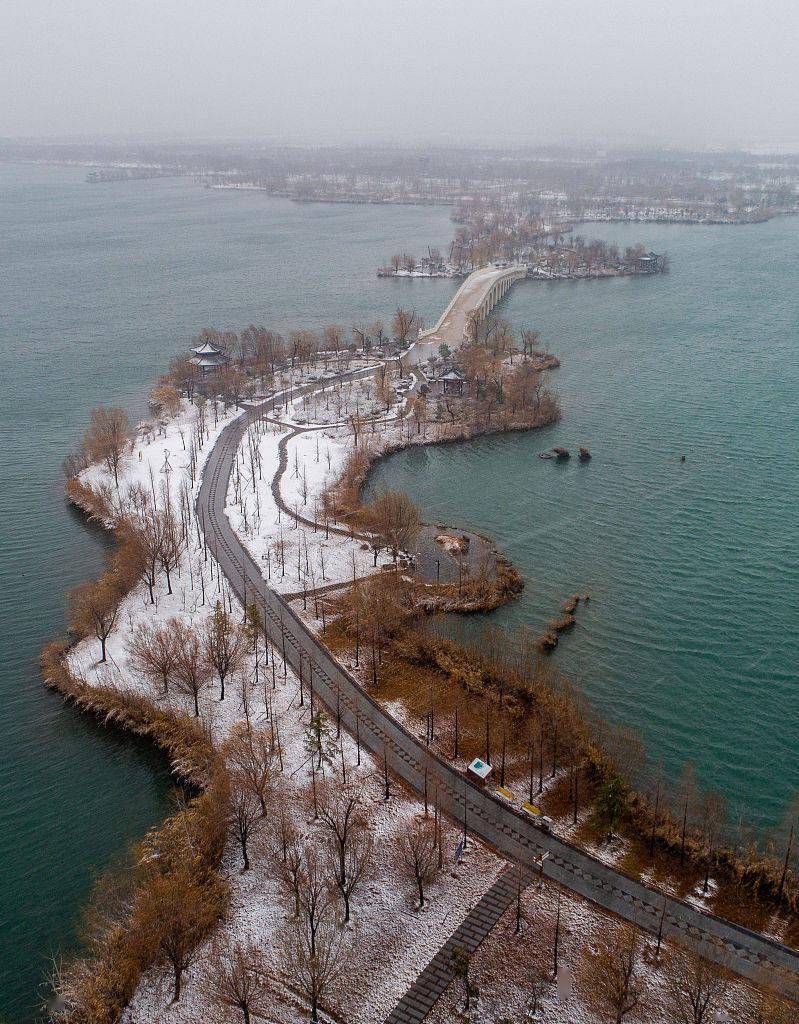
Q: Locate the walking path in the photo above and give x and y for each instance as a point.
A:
(436, 978)
(433, 563)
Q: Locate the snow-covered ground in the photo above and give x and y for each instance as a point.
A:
(293, 555)
(363, 396)
(510, 966)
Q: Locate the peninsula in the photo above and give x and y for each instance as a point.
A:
(257, 622)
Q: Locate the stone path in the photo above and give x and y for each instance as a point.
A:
(436, 978)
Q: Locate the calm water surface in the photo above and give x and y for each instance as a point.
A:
(692, 632)
(99, 286)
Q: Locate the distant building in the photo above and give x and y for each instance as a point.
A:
(649, 263)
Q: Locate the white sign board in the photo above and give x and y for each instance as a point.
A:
(480, 769)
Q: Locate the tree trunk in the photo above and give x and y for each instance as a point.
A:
(178, 984)
(102, 648)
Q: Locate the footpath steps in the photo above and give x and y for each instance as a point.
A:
(436, 978)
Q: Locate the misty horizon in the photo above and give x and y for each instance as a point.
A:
(722, 76)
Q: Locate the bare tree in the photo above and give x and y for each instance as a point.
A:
(356, 867)
(192, 671)
(787, 838)
(340, 809)
(314, 897)
(419, 855)
(538, 984)
(234, 385)
(148, 536)
(372, 612)
(108, 437)
(165, 397)
(697, 992)
(249, 756)
(314, 972)
(238, 980)
(287, 860)
(154, 651)
(245, 819)
(177, 910)
(687, 795)
(93, 608)
(172, 540)
(461, 962)
(615, 974)
(530, 339)
(404, 324)
(225, 646)
(333, 336)
(714, 815)
(395, 520)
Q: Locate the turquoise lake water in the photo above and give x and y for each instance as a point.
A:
(99, 287)
(692, 631)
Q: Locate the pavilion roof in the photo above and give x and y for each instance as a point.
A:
(218, 359)
(207, 349)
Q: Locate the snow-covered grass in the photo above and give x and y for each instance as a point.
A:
(293, 555)
(507, 966)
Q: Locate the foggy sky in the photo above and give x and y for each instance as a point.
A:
(684, 72)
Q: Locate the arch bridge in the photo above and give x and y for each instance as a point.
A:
(478, 294)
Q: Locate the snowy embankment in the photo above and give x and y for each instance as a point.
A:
(388, 941)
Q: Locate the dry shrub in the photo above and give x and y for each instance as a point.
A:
(344, 495)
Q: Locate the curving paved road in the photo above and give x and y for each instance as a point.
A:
(746, 952)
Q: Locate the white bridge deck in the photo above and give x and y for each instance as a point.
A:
(480, 292)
